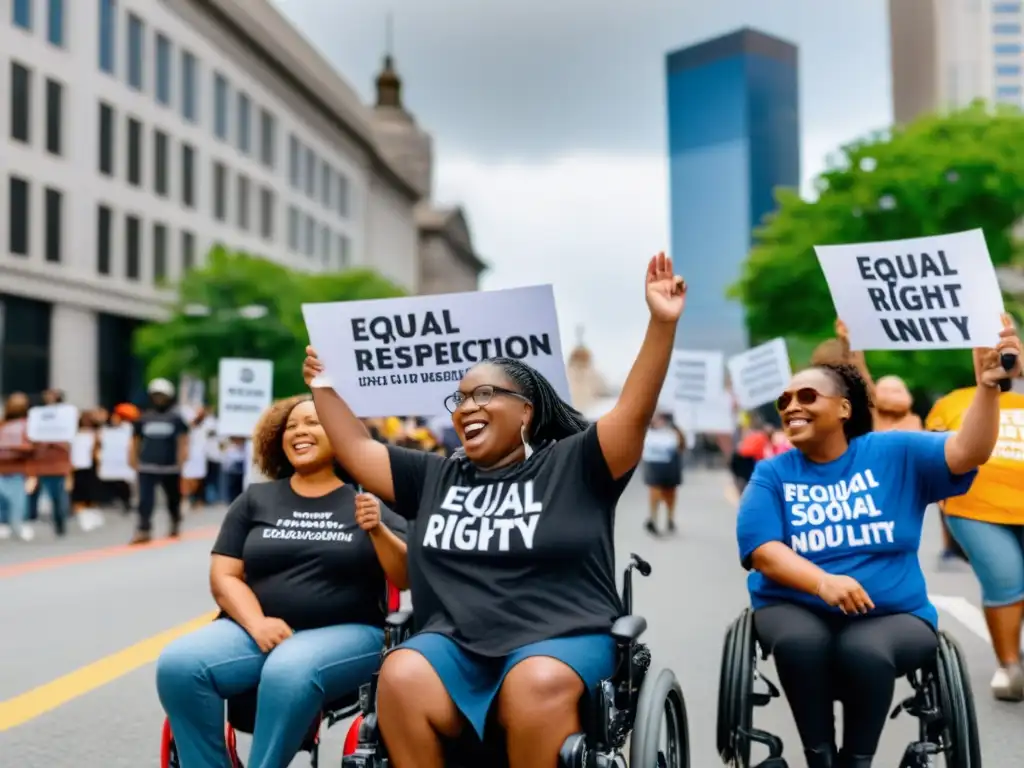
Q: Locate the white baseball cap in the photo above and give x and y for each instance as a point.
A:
(161, 387)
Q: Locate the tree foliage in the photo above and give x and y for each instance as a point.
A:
(938, 175)
(213, 317)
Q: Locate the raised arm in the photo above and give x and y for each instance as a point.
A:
(365, 459)
(972, 445)
(621, 431)
(856, 359)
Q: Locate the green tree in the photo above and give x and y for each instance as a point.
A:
(239, 305)
(938, 175)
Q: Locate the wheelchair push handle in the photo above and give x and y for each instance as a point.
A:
(640, 564)
(1007, 360)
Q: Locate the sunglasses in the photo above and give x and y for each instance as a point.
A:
(804, 396)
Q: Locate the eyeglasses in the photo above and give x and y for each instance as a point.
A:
(482, 395)
(804, 396)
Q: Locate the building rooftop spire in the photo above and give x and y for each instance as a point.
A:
(389, 84)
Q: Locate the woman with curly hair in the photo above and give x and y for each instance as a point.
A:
(831, 532)
(299, 571)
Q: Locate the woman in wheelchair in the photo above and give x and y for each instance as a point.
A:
(512, 564)
(298, 571)
(831, 531)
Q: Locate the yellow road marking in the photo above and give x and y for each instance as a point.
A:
(31, 704)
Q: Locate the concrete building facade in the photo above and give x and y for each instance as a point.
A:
(194, 122)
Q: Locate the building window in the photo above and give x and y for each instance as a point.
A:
(267, 213)
(21, 102)
(1006, 7)
(188, 252)
(54, 116)
(108, 35)
(310, 239)
(134, 152)
(106, 139)
(55, 23)
(132, 247)
(325, 244)
(54, 224)
(104, 227)
(220, 106)
(310, 173)
(136, 51)
(244, 143)
(1008, 70)
(161, 152)
(293, 228)
(326, 184)
(343, 251)
(159, 253)
(188, 175)
(1008, 49)
(1006, 29)
(294, 161)
(21, 13)
(342, 196)
(242, 203)
(189, 86)
(18, 216)
(163, 69)
(267, 138)
(220, 191)
(1010, 93)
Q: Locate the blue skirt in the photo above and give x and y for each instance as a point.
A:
(473, 681)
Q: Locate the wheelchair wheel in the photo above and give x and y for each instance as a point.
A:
(168, 749)
(957, 700)
(661, 700)
(735, 686)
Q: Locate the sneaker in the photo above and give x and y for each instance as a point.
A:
(141, 537)
(1008, 683)
(5, 532)
(27, 533)
(651, 528)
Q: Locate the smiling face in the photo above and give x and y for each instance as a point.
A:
(304, 441)
(813, 408)
(490, 415)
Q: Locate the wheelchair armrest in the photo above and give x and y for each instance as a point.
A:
(397, 628)
(627, 629)
(398, 619)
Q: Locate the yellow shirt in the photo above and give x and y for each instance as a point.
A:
(997, 495)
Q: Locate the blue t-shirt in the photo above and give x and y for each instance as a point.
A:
(859, 516)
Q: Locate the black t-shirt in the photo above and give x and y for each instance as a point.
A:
(499, 559)
(159, 432)
(306, 560)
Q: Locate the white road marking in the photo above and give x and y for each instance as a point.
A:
(965, 612)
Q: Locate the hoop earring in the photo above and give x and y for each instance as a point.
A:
(527, 448)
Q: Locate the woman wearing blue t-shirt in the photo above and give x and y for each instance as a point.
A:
(831, 533)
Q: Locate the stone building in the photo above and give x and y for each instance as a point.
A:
(590, 393)
(447, 261)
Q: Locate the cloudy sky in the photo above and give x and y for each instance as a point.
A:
(549, 123)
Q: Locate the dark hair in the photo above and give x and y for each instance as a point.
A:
(553, 418)
(855, 389)
(268, 441)
(16, 406)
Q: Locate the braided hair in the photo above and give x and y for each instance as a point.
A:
(553, 418)
(855, 389)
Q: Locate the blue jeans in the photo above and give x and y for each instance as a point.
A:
(54, 487)
(196, 673)
(996, 555)
(13, 501)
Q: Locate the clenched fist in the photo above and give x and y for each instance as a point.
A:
(367, 511)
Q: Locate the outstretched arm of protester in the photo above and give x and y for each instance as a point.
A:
(972, 445)
(621, 431)
(365, 459)
(854, 358)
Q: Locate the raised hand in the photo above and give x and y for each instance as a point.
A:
(666, 291)
(988, 366)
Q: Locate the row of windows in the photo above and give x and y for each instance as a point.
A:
(1005, 28)
(160, 245)
(236, 117)
(19, 211)
(21, 109)
(315, 240)
(1008, 70)
(1007, 49)
(1006, 7)
(23, 14)
(1012, 92)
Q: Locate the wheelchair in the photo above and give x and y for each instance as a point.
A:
(630, 706)
(241, 717)
(942, 701)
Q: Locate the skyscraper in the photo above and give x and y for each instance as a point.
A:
(946, 54)
(733, 137)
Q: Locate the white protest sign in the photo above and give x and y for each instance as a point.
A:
(760, 374)
(938, 292)
(115, 446)
(52, 423)
(195, 467)
(694, 376)
(713, 416)
(406, 355)
(82, 448)
(245, 389)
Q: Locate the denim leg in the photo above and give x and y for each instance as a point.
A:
(12, 488)
(305, 672)
(147, 500)
(54, 487)
(194, 675)
(5, 505)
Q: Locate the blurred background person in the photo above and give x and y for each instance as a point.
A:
(664, 445)
(15, 453)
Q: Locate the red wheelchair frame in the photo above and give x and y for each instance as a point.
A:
(242, 709)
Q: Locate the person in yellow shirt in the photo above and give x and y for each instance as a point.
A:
(988, 523)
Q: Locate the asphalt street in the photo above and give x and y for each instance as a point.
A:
(69, 610)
